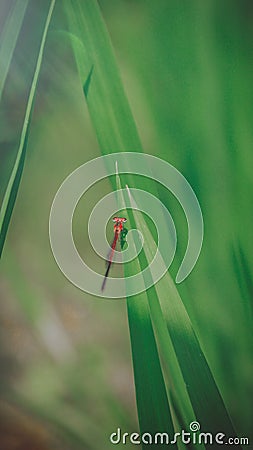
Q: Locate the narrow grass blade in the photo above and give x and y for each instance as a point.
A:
(8, 38)
(153, 406)
(14, 181)
(152, 401)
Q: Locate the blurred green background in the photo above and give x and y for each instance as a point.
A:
(66, 374)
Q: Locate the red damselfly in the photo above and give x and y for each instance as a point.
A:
(120, 233)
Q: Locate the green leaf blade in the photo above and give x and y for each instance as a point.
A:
(14, 180)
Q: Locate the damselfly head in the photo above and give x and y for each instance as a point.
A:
(119, 219)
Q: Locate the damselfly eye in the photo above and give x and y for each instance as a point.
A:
(115, 219)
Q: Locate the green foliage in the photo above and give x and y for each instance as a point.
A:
(187, 74)
(110, 117)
